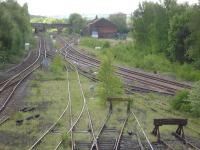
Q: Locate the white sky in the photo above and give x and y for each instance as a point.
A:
(87, 7)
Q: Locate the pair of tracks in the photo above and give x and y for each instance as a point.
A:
(97, 142)
(104, 143)
(84, 108)
(9, 86)
(112, 138)
(170, 86)
(147, 82)
(120, 141)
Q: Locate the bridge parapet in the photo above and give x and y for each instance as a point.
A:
(41, 27)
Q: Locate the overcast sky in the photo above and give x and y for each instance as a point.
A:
(84, 7)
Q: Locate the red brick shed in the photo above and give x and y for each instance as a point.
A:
(101, 28)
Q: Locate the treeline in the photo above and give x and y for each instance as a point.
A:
(15, 29)
(43, 19)
(79, 22)
(169, 28)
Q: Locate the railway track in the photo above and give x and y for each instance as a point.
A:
(132, 88)
(30, 58)
(149, 81)
(9, 86)
(174, 143)
(73, 129)
(173, 139)
(72, 124)
(111, 137)
(73, 59)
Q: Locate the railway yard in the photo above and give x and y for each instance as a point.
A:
(43, 110)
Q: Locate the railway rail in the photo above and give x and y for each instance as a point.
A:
(84, 107)
(119, 139)
(153, 82)
(9, 86)
(27, 61)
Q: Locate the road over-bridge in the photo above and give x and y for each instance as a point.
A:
(42, 27)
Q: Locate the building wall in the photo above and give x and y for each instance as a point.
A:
(107, 32)
(104, 28)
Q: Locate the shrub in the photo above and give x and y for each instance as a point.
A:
(106, 44)
(194, 98)
(110, 84)
(180, 102)
(92, 42)
(57, 65)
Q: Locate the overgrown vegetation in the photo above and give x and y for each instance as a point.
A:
(57, 65)
(129, 54)
(126, 53)
(188, 101)
(194, 98)
(65, 140)
(110, 84)
(92, 43)
(180, 102)
(41, 19)
(170, 29)
(15, 29)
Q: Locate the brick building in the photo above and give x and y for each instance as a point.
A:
(100, 28)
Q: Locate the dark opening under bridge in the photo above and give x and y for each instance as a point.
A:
(41, 27)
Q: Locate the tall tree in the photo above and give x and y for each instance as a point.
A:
(194, 49)
(119, 20)
(15, 28)
(110, 84)
(77, 22)
(179, 34)
(150, 27)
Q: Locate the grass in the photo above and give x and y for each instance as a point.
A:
(150, 106)
(49, 97)
(126, 54)
(47, 92)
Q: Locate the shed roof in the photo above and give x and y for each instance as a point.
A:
(101, 22)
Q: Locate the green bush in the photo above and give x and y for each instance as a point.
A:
(92, 42)
(110, 84)
(187, 72)
(106, 44)
(128, 54)
(194, 98)
(180, 101)
(57, 65)
(188, 102)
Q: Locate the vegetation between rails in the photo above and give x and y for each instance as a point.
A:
(110, 85)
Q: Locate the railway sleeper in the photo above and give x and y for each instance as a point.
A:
(106, 143)
(82, 145)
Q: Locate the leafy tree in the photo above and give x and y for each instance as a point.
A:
(169, 28)
(15, 29)
(119, 20)
(110, 84)
(194, 49)
(149, 21)
(179, 34)
(77, 22)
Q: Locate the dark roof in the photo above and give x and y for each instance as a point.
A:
(101, 22)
